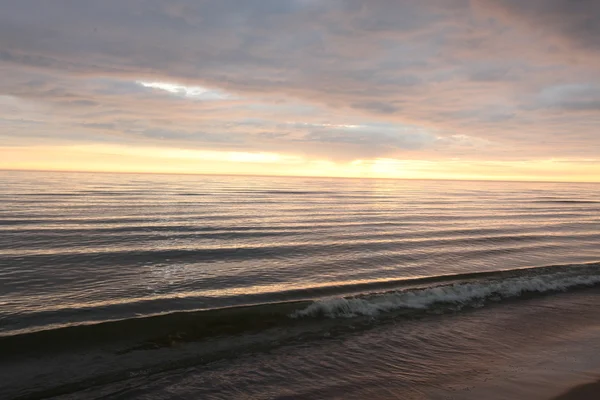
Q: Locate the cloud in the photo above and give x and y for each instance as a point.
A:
(194, 92)
(572, 97)
(576, 21)
(232, 74)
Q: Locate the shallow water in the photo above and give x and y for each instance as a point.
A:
(190, 275)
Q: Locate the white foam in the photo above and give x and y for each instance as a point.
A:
(460, 294)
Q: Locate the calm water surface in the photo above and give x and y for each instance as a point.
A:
(352, 261)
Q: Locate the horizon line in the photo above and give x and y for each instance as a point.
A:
(292, 176)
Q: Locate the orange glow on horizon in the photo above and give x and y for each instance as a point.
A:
(113, 158)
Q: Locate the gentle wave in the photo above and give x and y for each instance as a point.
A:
(402, 249)
(457, 294)
(56, 245)
(565, 201)
(434, 294)
(314, 217)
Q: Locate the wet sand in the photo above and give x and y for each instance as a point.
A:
(589, 391)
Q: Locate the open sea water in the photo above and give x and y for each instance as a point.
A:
(183, 286)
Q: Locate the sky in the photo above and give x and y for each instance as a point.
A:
(436, 89)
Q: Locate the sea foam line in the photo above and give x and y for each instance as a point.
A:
(458, 294)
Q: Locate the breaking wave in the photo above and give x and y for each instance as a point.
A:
(379, 300)
(458, 294)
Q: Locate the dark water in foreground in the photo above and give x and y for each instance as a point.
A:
(164, 287)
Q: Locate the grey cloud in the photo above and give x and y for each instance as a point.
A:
(377, 107)
(191, 137)
(491, 73)
(83, 103)
(576, 19)
(576, 97)
(99, 126)
(366, 137)
(200, 39)
(433, 63)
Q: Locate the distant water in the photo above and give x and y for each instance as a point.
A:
(174, 272)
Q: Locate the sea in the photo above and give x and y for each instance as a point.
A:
(143, 286)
